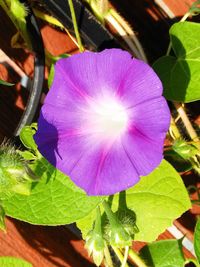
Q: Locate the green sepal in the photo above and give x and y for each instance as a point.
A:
(95, 243)
(117, 236)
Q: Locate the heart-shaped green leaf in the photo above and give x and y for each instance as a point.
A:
(54, 200)
(181, 74)
(157, 200)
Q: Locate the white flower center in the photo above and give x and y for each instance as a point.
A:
(109, 117)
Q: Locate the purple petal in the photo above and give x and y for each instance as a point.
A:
(145, 137)
(146, 154)
(152, 118)
(107, 170)
(140, 84)
(86, 75)
(100, 169)
(104, 121)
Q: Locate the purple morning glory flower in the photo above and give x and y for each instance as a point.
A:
(104, 121)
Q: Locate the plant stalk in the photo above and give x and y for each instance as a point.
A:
(129, 32)
(71, 6)
(108, 259)
(126, 252)
(192, 133)
(119, 255)
(123, 34)
(136, 259)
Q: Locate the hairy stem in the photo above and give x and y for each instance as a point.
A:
(181, 111)
(109, 213)
(108, 259)
(119, 255)
(129, 32)
(173, 130)
(123, 34)
(126, 252)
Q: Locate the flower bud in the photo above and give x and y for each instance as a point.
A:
(128, 220)
(95, 247)
(95, 241)
(15, 175)
(117, 235)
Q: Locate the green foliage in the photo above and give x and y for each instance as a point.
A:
(53, 60)
(2, 219)
(17, 12)
(182, 155)
(195, 8)
(197, 240)
(156, 200)
(5, 83)
(26, 137)
(99, 7)
(180, 74)
(185, 150)
(166, 253)
(14, 262)
(54, 200)
(179, 163)
(51, 75)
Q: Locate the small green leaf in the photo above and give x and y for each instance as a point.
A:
(157, 200)
(18, 10)
(164, 253)
(2, 219)
(26, 137)
(54, 200)
(197, 240)
(53, 60)
(51, 75)
(184, 149)
(5, 83)
(27, 155)
(181, 74)
(14, 262)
